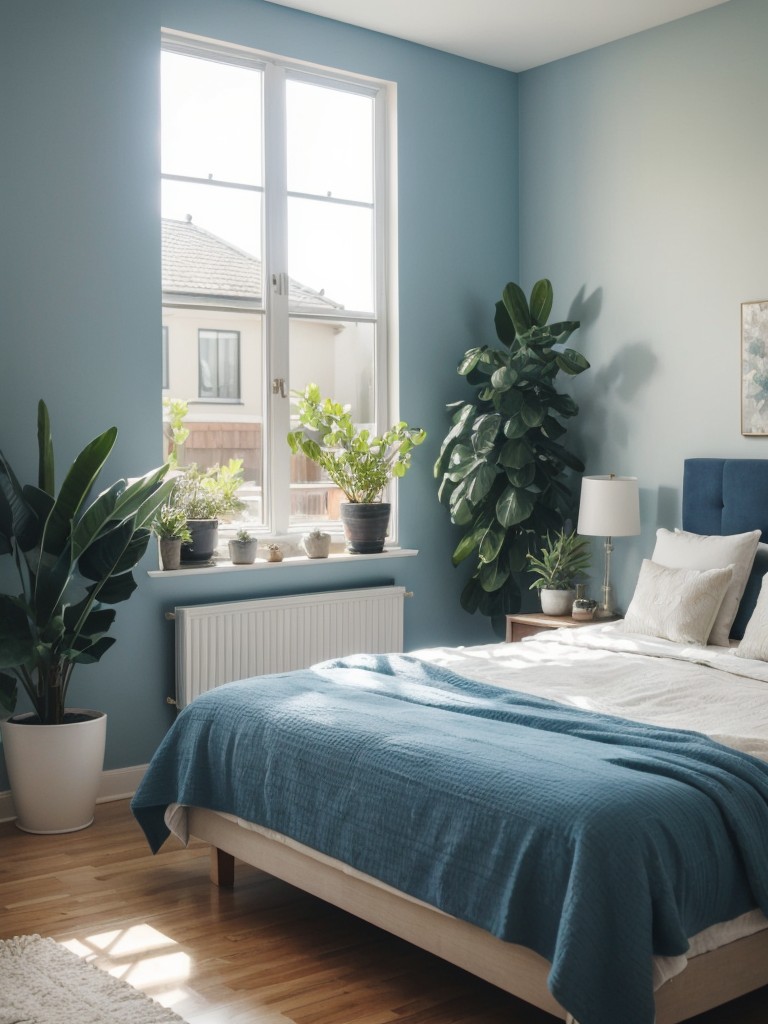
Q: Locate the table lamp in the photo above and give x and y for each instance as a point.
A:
(609, 507)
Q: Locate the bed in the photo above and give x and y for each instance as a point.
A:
(620, 713)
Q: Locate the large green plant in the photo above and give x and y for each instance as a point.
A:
(359, 463)
(501, 466)
(70, 558)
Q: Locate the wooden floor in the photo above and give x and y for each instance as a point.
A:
(262, 953)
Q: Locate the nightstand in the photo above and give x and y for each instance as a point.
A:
(521, 625)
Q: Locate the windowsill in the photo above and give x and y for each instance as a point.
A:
(294, 561)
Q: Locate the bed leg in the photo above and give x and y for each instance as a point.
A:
(222, 868)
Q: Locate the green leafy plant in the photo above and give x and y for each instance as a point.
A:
(359, 463)
(244, 536)
(176, 409)
(170, 523)
(563, 559)
(501, 466)
(70, 559)
(209, 493)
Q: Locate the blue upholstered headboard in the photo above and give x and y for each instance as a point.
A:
(722, 496)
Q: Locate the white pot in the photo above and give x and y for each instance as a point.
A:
(557, 602)
(54, 770)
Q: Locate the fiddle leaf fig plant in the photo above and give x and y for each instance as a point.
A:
(501, 465)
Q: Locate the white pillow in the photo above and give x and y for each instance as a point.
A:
(682, 550)
(676, 604)
(755, 641)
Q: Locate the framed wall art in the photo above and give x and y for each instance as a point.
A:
(754, 369)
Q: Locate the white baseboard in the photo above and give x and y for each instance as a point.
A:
(117, 784)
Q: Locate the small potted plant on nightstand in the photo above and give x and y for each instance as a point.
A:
(564, 559)
(242, 548)
(170, 527)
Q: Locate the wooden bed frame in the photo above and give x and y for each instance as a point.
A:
(709, 980)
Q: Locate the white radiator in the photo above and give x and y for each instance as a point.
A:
(217, 643)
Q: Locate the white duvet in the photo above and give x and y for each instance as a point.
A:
(602, 668)
(605, 669)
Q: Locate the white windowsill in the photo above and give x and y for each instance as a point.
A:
(293, 561)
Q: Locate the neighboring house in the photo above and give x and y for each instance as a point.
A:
(213, 353)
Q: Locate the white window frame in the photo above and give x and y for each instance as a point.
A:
(277, 70)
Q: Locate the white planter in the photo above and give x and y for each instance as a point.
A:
(54, 771)
(557, 602)
(317, 545)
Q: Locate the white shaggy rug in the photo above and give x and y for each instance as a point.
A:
(41, 982)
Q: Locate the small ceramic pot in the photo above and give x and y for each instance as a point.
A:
(317, 544)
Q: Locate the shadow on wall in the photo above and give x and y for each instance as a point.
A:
(621, 379)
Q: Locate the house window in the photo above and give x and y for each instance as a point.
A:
(219, 364)
(276, 199)
(164, 370)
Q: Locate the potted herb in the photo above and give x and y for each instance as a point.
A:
(242, 548)
(72, 559)
(170, 527)
(204, 496)
(360, 464)
(564, 558)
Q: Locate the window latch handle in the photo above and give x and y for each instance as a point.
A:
(278, 387)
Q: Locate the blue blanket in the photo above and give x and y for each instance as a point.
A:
(593, 840)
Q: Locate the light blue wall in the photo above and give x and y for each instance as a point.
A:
(80, 282)
(643, 188)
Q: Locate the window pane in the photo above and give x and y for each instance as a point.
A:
(219, 364)
(219, 431)
(330, 142)
(212, 241)
(211, 120)
(339, 358)
(330, 252)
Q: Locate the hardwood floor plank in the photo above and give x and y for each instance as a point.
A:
(260, 953)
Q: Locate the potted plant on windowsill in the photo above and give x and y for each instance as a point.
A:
(564, 559)
(203, 496)
(71, 559)
(360, 464)
(170, 527)
(242, 548)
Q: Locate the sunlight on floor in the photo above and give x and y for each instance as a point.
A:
(134, 955)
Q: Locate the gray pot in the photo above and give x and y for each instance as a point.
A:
(242, 552)
(365, 526)
(170, 552)
(557, 602)
(205, 537)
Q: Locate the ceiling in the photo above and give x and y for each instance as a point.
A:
(512, 34)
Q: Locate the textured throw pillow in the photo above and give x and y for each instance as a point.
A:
(682, 550)
(676, 604)
(755, 642)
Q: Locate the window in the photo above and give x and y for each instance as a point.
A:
(219, 364)
(275, 207)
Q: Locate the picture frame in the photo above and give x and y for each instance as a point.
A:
(754, 368)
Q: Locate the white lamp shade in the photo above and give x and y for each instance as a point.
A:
(609, 507)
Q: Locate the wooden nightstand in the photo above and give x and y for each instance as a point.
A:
(521, 625)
